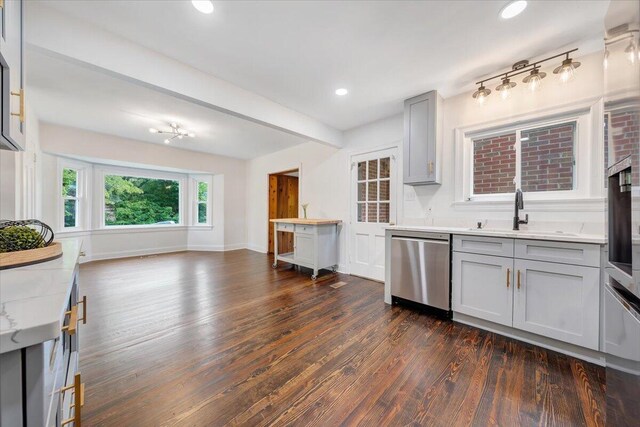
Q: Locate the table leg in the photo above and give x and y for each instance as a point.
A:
(275, 245)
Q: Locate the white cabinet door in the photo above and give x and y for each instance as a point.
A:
(482, 286)
(558, 301)
(304, 248)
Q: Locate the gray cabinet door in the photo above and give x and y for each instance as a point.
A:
(558, 301)
(304, 250)
(420, 137)
(482, 286)
(11, 61)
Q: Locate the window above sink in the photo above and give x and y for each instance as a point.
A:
(551, 156)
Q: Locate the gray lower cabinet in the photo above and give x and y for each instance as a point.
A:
(40, 384)
(482, 287)
(422, 130)
(557, 300)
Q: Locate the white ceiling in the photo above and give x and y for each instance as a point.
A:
(298, 53)
(69, 94)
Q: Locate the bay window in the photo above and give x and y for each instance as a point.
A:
(70, 199)
(138, 200)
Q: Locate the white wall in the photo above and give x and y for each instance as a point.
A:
(435, 204)
(324, 178)
(228, 231)
(20, 173)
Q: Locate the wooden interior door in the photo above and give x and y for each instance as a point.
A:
(283, 203)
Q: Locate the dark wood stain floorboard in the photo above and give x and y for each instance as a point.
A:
(213, 339)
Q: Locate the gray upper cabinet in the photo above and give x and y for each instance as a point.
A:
(422, 131)
(12, 116)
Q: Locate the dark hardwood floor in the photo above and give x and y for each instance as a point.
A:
(213, 339)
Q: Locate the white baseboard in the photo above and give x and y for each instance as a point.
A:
(235, 246)
(256, 248)
(217, 248)
(578, 352)
(164, 250)
(137, 252)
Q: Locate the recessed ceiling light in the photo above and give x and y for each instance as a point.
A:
(341, 92)
(204, 6)
(513, 8)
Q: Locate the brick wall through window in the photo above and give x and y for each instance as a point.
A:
(494, 164)
(547, 156)
(547, 160)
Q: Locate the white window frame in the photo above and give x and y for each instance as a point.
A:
(83, 208)
(195, 202)
(101, 171)
(588, 153)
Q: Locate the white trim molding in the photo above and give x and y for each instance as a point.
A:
(588, 192)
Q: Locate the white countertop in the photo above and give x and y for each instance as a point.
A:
(556, 236)
(33, 299)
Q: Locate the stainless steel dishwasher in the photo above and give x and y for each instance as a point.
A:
(420, 270)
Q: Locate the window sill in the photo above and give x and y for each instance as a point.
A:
(550, 205)
(201, 227)
(133, 229)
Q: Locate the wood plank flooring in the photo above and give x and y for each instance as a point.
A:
(212, 339)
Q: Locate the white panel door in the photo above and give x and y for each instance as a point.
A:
(482, 286)
(373, 207)
(558, 301)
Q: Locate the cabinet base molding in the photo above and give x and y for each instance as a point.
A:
(592, 356)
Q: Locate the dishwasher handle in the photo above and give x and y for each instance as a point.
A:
(438, 238)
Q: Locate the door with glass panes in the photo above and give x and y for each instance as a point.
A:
(373, 207)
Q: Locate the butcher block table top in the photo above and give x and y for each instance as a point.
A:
(307, 221)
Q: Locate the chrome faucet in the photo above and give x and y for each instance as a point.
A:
(519, 204)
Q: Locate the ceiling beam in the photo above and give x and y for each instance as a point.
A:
(60, 35)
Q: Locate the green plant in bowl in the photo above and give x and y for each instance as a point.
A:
(19, 238)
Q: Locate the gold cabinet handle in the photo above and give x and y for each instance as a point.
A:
(508, 277)
(84, 310)
(518, 279)
(20, 114)
(430, 168)
(73, 320)
(83, 253)
(78, 401)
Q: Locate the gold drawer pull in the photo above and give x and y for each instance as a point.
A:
(73, 320)
(20, 114)
(78, 401)
(518, 279)
(430, 168)
(508, 277)
(84, 310)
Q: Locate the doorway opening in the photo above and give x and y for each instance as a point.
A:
(283, 203)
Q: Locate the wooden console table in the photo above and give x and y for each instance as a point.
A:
(315, 243)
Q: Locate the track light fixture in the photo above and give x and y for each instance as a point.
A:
(631, 51)
(505, 87)
(567, 69)
(175, 132)
(533, 80)
(481, 94)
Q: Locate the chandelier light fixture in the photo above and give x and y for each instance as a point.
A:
(175, 132)
(534, 77)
